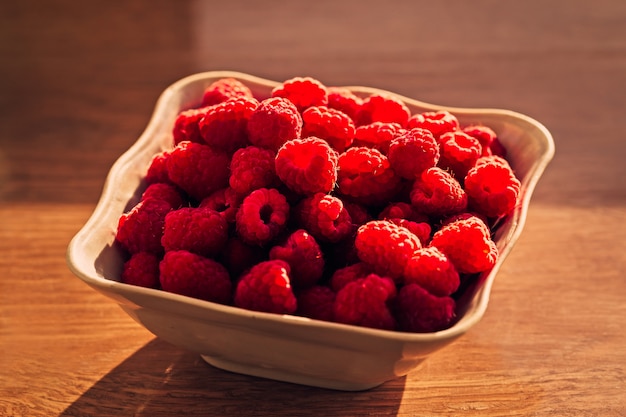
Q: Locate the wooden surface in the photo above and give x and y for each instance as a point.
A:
(78, 82)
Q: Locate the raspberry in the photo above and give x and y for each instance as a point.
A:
(266, 287)
(199, 230)
(186, 126)
(252, 168)
(438, 122)
(225, 125)
(304, 92)
(325, 217)
(344, 100)
(466, 242)
(334, 126)
(225, 201)
(304, 256)
(342, 276)
(307, 166)
(157, 170)
(485, 135)
(401, 210)
(459, 152)
(437, 193)
(413, 152)
(433, 271)
(140, 229)
(492, 188)
(198, 169)
(365, 176)
(263, 214)
(275, 121)
(363, 302)
(224, 89)
(418, 311)
(238, 257)
(358, 212)
(189, 274)
(386, 247)
(142, 269)
(165, 192)
(420, 229)
(316, 302)
(377, 135)
(381, 107)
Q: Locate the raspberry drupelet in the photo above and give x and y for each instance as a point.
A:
(267, 287)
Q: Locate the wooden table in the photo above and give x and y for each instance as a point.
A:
(78, 82)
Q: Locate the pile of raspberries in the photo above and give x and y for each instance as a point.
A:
(320, 203)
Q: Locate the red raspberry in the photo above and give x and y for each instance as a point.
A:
(198, 169)
(381, 107)
(334, 126)
(304, 256)
(438, 194)
(438, 122)
(466, 242)
(492, 188)
(262, 216)
(186, 126)
(275, 121)
(165, 192)
(325, 217)
(266, 287)
(386, 247)
(364, 302)
(224, 89)
(420, 229)
(225, 201)
(142, 269)
(497, 149)
(377, 135)
(401, 210)
(304, 92)
(342, 276)
(459, 152)
(485, 135)
(365, 176)
(195, 276)
(317, 303)
(358, 213)
(238, 257)
(140, 229)
(344, 100)
(433, 271)
(413, 152)
(252, 168)
(157, 170)
(225, 126)
(199, 230)
(420, 312)
(307, 166)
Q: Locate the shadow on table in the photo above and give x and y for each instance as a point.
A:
(162, 380)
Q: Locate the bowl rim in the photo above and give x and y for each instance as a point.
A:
(75, 249)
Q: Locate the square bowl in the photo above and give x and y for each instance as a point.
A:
(285, 347)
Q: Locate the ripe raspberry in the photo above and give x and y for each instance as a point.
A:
(189, 274)
(307, 166)
(433, 271)
(466, 242)
(377, 135)
(186, 126)
(165, 192)
(386, 247)
(418, 311)
(225, 126)
(459, 152)
(401, 210)
(199, 230)
(492, 187)
(266, 287)
(304, 256)
(364, 302)
(275, 121)
(198, 169)
(485, 135)
(334, 126)
(325, 217)
(157, 169)
(438, 122)
(238, 257)
(381, 107)
(140, 229)
(342, 276)
(224, 89)
(252, 168)
(344, 100)
(263, 214)
(438, 194)
(304, 92)
(413, 152)
(142, 269)
(365, 176)
(225, 201)
(420, 229)
(317, 303)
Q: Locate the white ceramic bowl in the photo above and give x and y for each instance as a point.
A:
(282, 347)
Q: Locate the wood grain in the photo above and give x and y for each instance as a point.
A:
(78, 83)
